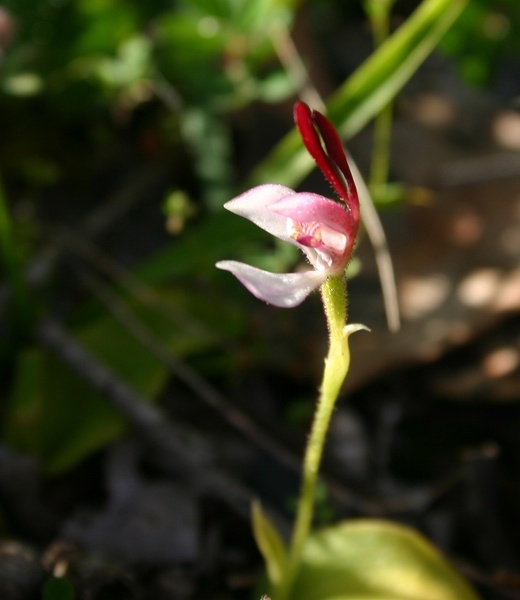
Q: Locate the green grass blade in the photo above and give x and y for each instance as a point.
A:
(368, 89)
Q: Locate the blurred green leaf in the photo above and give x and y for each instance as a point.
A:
(277, 86)
(214, 53)
(195, 252)
(131, 64)
(243, 15)
(378, 560)
(52, 414)
(190, 57)
(23, 84)
(486, 34)
(103, 25)
(209, 142)
(55, 415)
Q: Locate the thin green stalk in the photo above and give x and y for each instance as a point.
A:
(380, 166)
(336, 368)
(12, 267)
(379, 14)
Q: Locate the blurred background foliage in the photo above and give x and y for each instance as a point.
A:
(111, 104)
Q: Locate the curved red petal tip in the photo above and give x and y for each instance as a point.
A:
(302, 115)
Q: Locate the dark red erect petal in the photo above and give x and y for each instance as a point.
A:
(303, 117)
(317, 131)
(335, 151)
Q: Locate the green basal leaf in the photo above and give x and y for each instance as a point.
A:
(269, 543)
(377, 560)
(369, 89)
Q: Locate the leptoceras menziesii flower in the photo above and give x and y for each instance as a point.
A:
(324, 229)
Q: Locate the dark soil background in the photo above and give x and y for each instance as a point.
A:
(427, 431)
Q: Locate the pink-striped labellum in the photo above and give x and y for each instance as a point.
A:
(324, 229)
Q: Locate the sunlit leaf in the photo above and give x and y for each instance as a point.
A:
(377, 560)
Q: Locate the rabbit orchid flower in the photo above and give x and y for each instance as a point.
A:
(324, 229)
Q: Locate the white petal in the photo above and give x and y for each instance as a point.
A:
(280, 289)
(255, 204)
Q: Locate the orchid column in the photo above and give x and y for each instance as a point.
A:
(325, 230)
